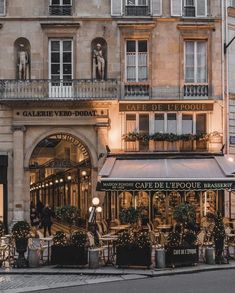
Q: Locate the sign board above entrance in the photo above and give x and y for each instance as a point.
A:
(165, 185)
(46, 113)
(165, 107)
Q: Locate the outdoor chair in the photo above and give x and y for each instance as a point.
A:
(201, 236)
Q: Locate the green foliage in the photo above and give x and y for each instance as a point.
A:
(60, 239)
(128, 216)
(218, 231)
(79, 239)
(67, 214)
(185, 214)
(173, 239)
(1, 229)
(158, 136)
(125, 239)
(189, 239)
(142, 240)
(21, 230)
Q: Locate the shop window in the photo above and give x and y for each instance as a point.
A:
(130, 127)
(2, 7)
(208, 202)
(125, 200)
(193, 198)
(136, 60)
(159, 207)
(60, 7)
(174, 200)
(171, 123)
(142, 204)
(201, 127)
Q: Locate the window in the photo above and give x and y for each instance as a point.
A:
(195, 62)
(2, 7)
(201, 123)
(189, 8)
(171, 123)
(60, 7)
(136, 61)
(187, 123)
(130, 123)
(159, 123)
(60, 55)
(137, 7)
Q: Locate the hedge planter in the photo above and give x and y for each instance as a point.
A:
(133, 256)
(21, 248)
(181, 256)
(68, 255)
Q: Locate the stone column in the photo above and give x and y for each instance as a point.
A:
(18, 173)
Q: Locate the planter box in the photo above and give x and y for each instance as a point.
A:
(172, 146)
(68, 255)
(186, 145)
(159, 146)
(133, 256)
(181, 256)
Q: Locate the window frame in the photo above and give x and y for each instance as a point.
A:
(195, 61)
(61, 5)
(4, 8)
(137, 61)
(195, 8)
(61, 51)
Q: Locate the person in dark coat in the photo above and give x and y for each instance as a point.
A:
(39, 208)
(47, 215)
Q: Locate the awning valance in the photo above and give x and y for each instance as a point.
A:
(204, 173)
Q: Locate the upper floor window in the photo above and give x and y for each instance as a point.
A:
(195, 62)
(60, 7)
(136, 60)
(2, 7)
(189, 8)
(137, 7)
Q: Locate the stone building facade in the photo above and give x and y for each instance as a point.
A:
(77, 77)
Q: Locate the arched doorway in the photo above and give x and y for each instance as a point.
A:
(60, 173)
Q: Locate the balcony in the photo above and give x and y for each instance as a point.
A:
(140, 10)
(136, 90)
(60, 10)
(40, 89)
(196, 90)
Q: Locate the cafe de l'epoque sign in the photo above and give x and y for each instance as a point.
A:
(166, 185)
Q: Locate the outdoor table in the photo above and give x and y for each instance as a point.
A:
(119, 228)
(47, 240)
(110, 241)
(164, 228)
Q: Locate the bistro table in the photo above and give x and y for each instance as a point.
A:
(110, 242)
(48, 240)
(119, 228)
(164, 228)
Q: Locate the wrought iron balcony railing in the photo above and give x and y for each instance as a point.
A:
(137, 10)
(61, 89)
(136, 90)
(60, 10)
(196, 90)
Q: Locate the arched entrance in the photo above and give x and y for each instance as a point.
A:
(60, 173)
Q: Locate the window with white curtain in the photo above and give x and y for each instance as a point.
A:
(195, 70)
(130, 123)
(136, 60)
(159, 123)
(187, 123)
(171, 123)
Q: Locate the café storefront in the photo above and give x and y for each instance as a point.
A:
(157, 185)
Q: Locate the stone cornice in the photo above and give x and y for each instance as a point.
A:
(139, 25)
(193, 27)
(64, 25)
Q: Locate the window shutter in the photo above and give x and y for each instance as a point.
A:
(2, 7)
(116, 7)
(176, 7)
(156, 7)
(201, 8)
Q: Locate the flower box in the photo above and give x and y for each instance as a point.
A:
(159, 146)
(181, 256)
(68, 255)
(133, 256)
(186, 145)
(172, 146)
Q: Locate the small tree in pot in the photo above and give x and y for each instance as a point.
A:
(21, 234)
(219, 236)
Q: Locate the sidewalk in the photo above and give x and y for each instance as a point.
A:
(50, 277)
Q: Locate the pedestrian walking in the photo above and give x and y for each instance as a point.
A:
(47, 215)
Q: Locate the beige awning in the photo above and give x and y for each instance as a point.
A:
(199, 173)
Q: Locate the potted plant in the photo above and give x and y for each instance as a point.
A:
(21, 234)
(133, 249)
(128, 216)
(181, 248)
(219, 236)
(71, 251)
